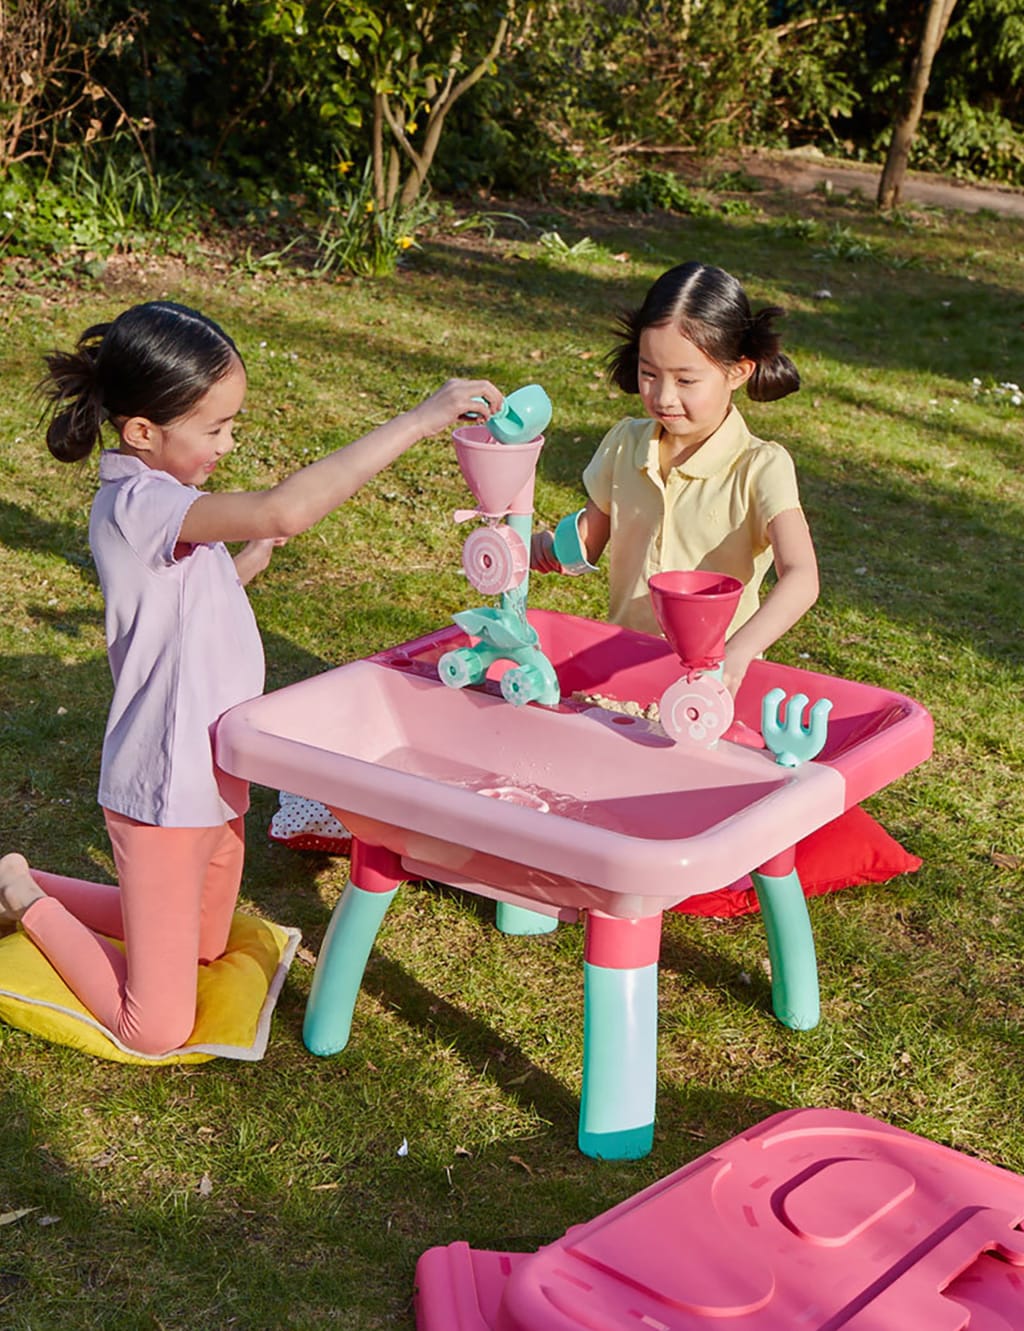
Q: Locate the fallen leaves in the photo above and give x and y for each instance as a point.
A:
(12, 1217)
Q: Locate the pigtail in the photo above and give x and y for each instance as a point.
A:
(775, 374)
(72, 386)
(622, 363)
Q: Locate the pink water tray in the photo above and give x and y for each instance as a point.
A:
(815, 1220)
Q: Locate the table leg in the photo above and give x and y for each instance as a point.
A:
(795, 996)
(521, 921)
(373, 881)
(620, 1036)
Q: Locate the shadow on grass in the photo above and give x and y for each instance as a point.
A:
(24, 529)
(710, 968)
(478, 1044)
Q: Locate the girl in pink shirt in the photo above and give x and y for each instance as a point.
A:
(183, 647)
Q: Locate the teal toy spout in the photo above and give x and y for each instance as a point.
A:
(523, 415)
(503, 635)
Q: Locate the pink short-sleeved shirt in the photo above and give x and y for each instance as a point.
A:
(183, 647)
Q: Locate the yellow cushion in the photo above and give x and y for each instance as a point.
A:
(236, 997)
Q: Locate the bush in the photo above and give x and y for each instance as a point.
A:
(653, 190)
(99, 202)
(969, 142)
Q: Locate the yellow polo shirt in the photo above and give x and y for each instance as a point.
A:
(712, 512)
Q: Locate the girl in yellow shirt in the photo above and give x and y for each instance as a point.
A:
(688, 486)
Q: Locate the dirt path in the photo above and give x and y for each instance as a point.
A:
(803, 173)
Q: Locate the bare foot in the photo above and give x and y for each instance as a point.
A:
(18, 889)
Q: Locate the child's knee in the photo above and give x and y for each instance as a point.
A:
(156, 1033)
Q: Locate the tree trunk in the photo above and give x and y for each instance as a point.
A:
(935, 25)
(379, 187)
(420, 162)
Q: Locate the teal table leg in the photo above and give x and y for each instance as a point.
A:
(340, 966)
(620, 1037)
(346, 948)
(795, 996)
(519, 920)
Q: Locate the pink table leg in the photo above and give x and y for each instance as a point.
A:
(620, 1036)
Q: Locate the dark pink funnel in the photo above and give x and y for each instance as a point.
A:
(694, 609)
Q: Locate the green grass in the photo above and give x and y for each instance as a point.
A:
(273, 1196)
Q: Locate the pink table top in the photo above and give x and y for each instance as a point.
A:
(570, 807)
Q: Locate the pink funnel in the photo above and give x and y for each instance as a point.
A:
(500, 476)
(694, 609)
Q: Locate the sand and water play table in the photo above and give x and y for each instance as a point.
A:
(571, 812)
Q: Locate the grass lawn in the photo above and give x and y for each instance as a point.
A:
(273, 1195)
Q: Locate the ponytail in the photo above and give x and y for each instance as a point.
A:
(774, 375)
(72, 385)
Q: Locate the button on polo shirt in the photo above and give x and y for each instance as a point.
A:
(712, 512)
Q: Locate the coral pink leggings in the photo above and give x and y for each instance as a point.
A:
(176, 894)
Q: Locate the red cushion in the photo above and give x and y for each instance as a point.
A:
(852, 849)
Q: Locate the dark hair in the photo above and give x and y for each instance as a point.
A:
(710, 308)
(155, 360)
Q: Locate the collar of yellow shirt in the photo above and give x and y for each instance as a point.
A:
(715, 454)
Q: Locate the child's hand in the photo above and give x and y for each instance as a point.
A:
(254, 557)
(458, 397)
(542, 553)
(734, 668)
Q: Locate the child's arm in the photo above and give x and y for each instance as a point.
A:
(795, 591)
(594, 528)
(306, 496)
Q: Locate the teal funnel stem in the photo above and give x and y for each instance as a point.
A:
(504, 634)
